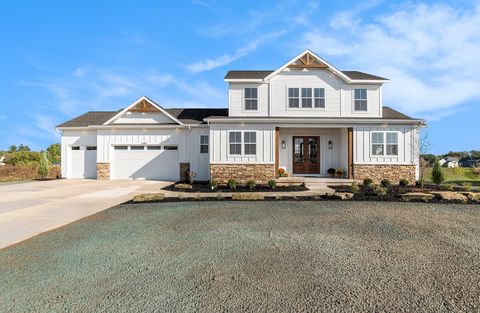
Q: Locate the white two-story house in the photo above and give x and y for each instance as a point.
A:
(305, 118)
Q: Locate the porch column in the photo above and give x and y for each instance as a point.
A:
(350, 153)
(277, 145)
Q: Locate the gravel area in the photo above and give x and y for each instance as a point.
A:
(250, 257)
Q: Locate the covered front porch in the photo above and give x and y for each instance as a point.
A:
(309, 152)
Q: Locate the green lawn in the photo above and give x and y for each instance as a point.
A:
(456, 176)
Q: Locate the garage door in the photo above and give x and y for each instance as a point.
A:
(147, 162)
(83, 162)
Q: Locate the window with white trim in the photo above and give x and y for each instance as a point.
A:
(235, 143)
(293, 98)
(251, 99)
(319, 97)
(361, 100)
(385, 143)
(203, 143)
(306, 97)
(250, 143)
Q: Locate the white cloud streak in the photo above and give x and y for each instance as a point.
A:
(429, 51)
(209, 64)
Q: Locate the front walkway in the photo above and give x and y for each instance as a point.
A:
(32, 208)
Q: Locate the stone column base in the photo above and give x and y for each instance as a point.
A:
(260, 173)
(379, 172)
(184, 170)
(103, 171)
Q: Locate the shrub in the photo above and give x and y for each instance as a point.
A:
(403, 182)
(476, 171)
(251, 184)
(20, 172)
(232, 184)
(367, 182)
(449, 187)
(467, 186)
(418, 183)
(190, 177)
(213, 184)
(379, 190)
(354, 187)
(331, 171)
(459, 171)
(339, 173)
(272, 184)
(43, 167)
(22, 158)
(386, 183)
(437, 174)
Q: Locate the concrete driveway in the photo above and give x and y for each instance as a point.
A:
(28, 209)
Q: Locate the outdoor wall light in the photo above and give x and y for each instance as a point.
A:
(284, 144)
(330, 144)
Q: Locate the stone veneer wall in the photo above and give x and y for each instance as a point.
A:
(103, 171)
(261, 173)
(378, 172)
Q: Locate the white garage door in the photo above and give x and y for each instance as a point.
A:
(83, 162)
(147, 162)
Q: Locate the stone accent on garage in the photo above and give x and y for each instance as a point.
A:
(378, 172)
(184, 170)
(103, 171)
(261, 173)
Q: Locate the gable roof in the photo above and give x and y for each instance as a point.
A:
(146, 101)
(261, 74)
(186, 116)
(306, 59)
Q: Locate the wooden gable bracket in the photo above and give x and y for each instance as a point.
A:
(143, 106)
(307, 61)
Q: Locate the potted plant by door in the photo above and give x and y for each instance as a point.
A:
(331, 172)
(339, 173)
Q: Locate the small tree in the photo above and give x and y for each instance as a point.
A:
(437, 174)
(53, 153)
(423, 144)
(43, 167)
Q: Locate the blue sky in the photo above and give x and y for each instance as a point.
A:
(60, 59)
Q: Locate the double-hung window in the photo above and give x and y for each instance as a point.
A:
(250, 143)
(203, 143)
(306, 97)
(251, 99)
(293, 98)
(319, 96)
(385, 143)
(242, 143)
(361, 100)
(235, 143)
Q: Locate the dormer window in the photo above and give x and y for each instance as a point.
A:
(361, 100)
(251, 99)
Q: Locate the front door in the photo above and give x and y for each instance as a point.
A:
(306, 155)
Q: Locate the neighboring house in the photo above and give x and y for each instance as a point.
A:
(2, 160)
(469, 162)
(449, 162)
(305, 117)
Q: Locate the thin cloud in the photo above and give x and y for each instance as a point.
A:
(209, 64)
(429, 51)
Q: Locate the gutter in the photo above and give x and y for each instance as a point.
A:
(315, 121)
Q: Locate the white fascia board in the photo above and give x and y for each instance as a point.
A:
(302, 121)
(149, 101)
(332, 68)
(244, 80)
(143, 126)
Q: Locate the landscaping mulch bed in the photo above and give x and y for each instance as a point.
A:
(204, 187)
(367, 193)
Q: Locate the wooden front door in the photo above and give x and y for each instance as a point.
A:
(306, 155)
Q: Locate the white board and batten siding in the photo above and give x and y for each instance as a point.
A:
(362, 145)
(78, 163)
(219, 142)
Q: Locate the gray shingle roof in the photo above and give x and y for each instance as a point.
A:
(391, 114)
(186, 116)
(255, 74)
